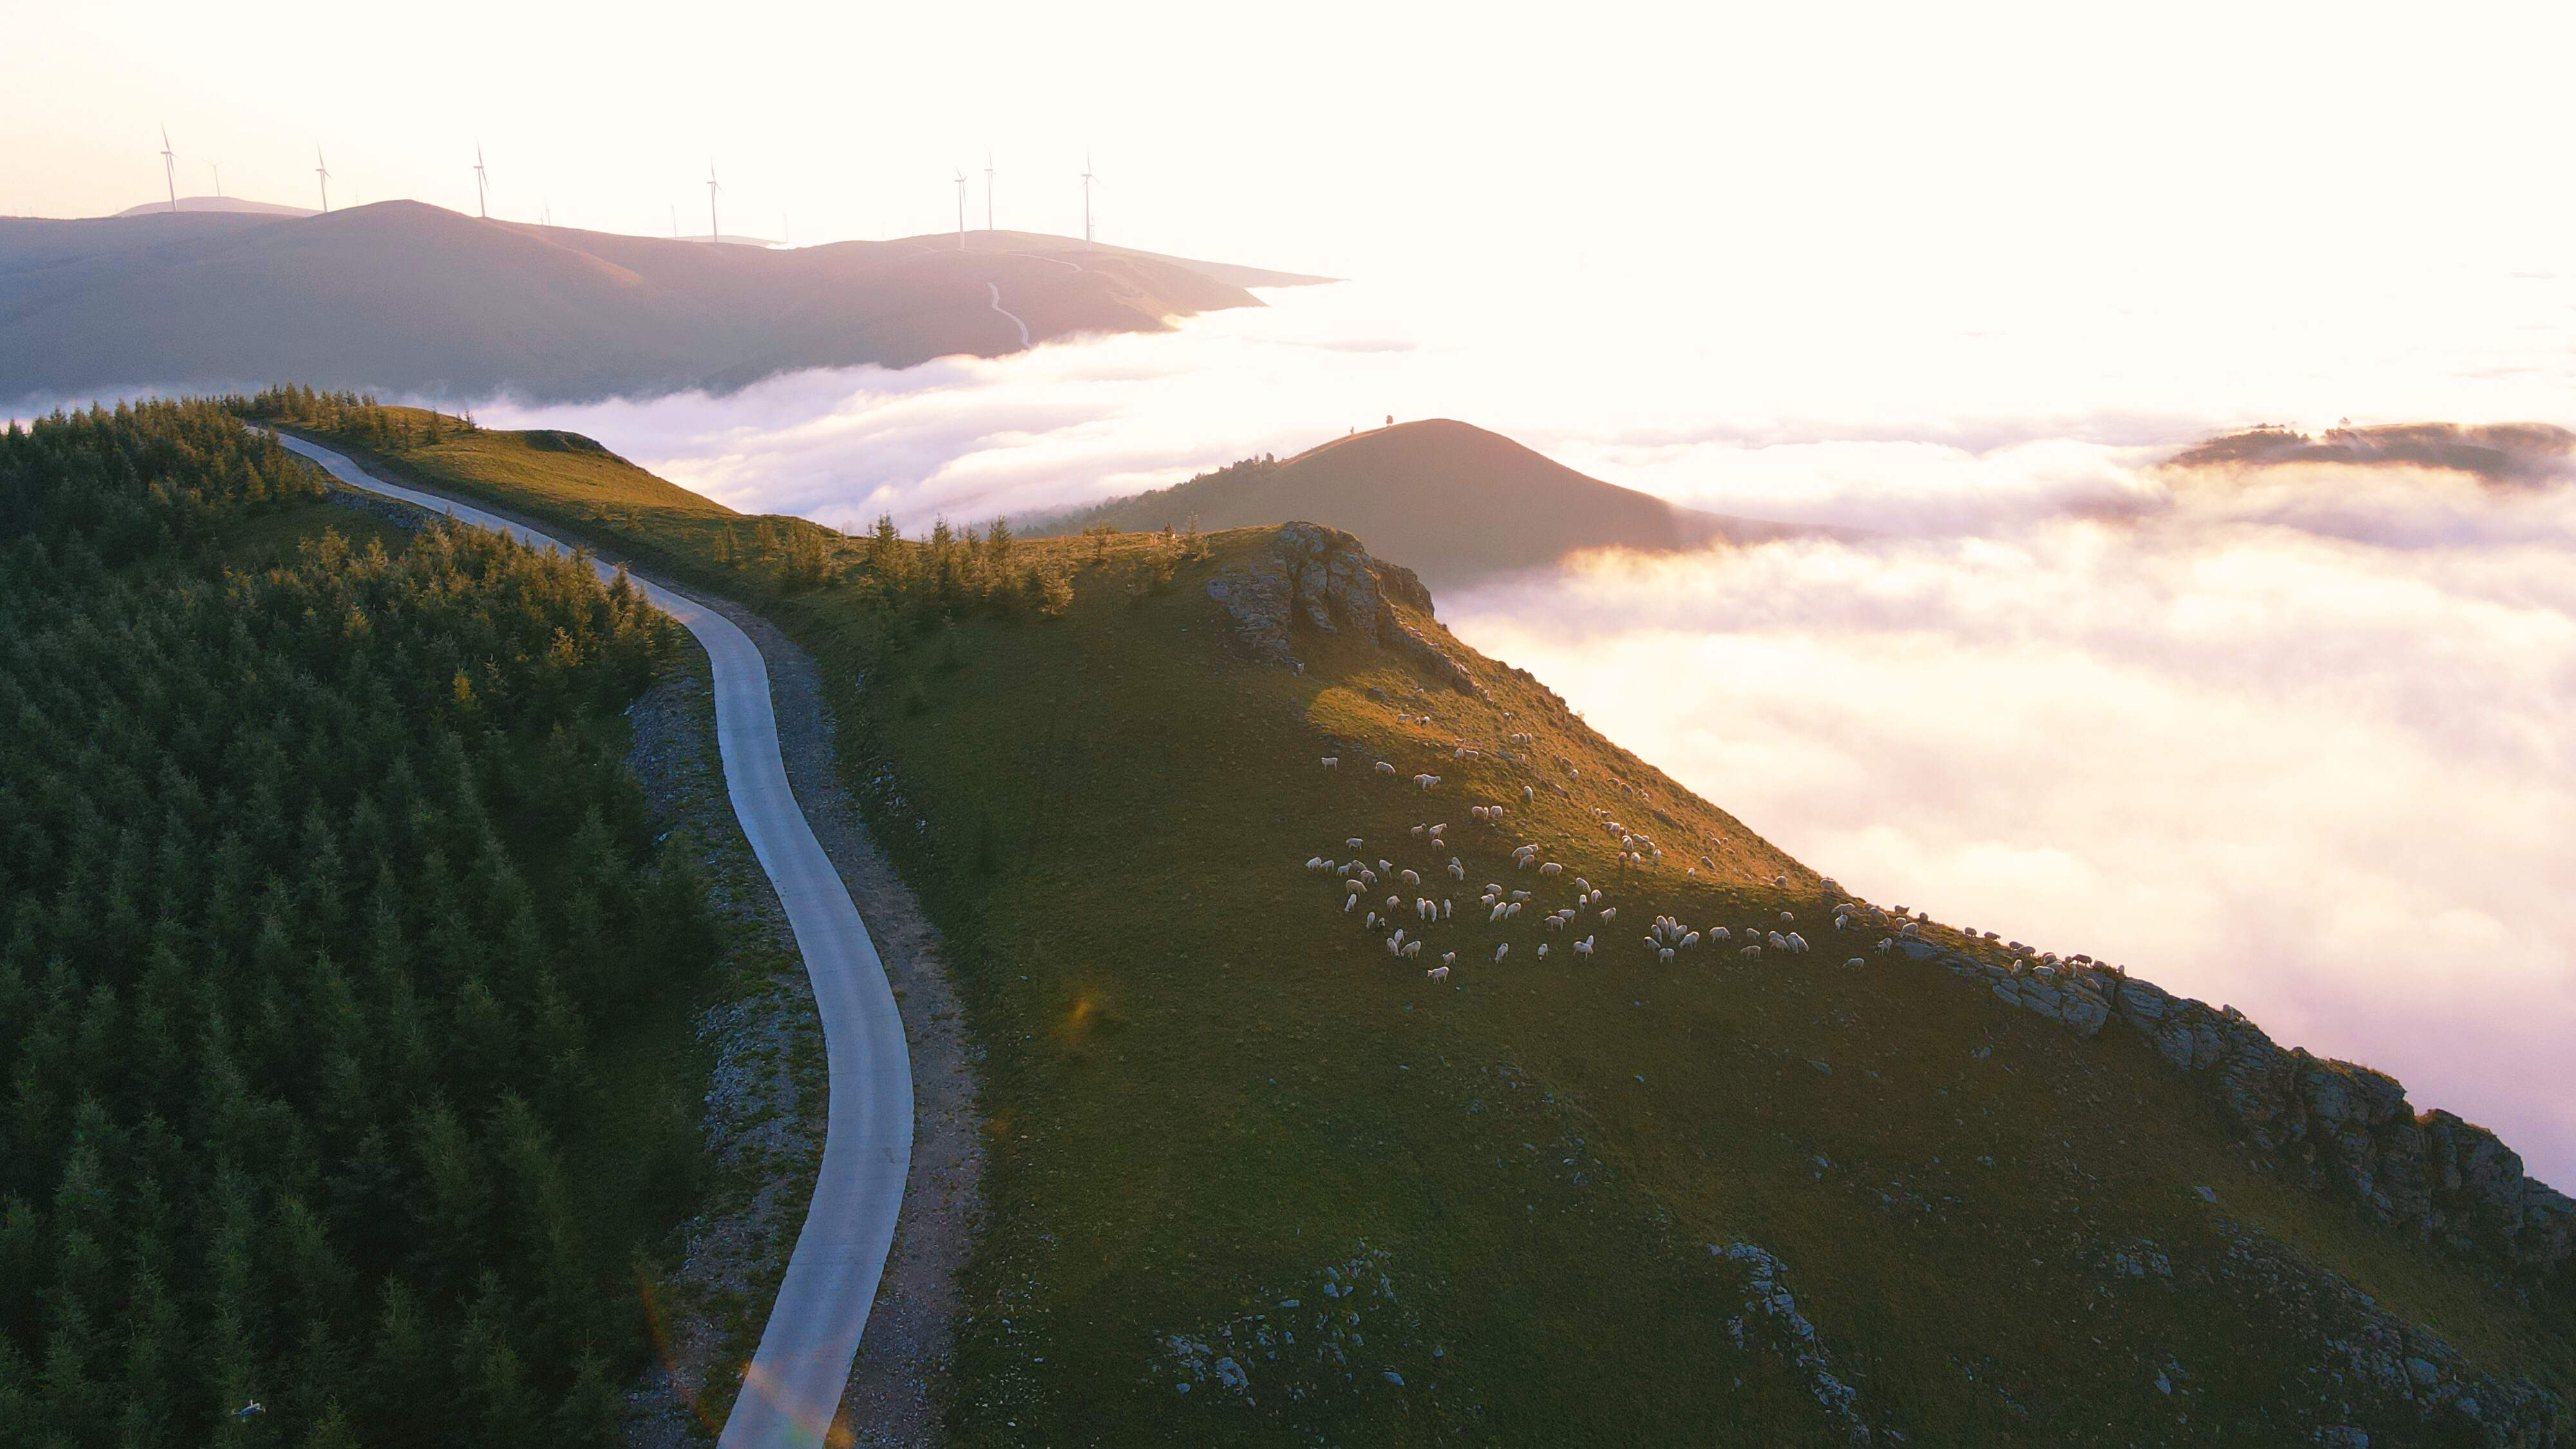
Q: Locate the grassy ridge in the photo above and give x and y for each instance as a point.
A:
(1211, 1092)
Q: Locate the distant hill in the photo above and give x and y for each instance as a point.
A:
(402, 297)
(2498, 453)
(215, 204)
(1455, 502)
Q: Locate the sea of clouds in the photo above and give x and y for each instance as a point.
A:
(2295, 740)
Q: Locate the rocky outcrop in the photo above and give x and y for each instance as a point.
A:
(1319, 578)
(2344, 1123)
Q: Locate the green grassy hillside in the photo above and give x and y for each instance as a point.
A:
(1256, 1180)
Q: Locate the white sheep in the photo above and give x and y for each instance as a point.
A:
(1551, 868)
(1371, 922)
(1797, 943)
(1354, 842)
(1332, 762)
(1426, 781)
(1386, 865)
(1412, 949)
(1583, 947)
(1664, 954)
(1457, 870)
(1448, 958)
(1582, 885)
(1720, 933)
(1542, 950)
(1316, 862)
(1511, 909)
(1384, 768)
(1353, 885)
(1445, 907)
(1410, 878)
(1753, 950)
(1438, 973)
(1610, 913)
(1778, 942)
(1440, 829)
(1690, 940)
(1391, 903)
(1499, 908)
(1528, 794)
(1349, 901)
(1502, 950)
(1594, 898)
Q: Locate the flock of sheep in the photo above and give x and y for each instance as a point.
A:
(1666, 938)
(1361, 878)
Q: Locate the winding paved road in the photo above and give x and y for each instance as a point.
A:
(795, 1380)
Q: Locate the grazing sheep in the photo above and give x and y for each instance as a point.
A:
(1610, 913)
(1583, 885)
(1778, 942)
(1444, 909)
(1690, 940)
(1371, 922)
(1528, 794)
(1448, 957)
(1354, 842)
(1353, 885)
(1753, 950)
(1665, 954)
(1349, 901)
(1332, 762)
(1410, 878)
(1391, 903)
(1797, 943)
(1417, 832)
(1457, 871)
(1385, 768)
(1438, 973)
(1583, 947)
(1502, 950)
(1511, 909)
(1720, 933)
(1855, 961)
(1542, 950)
(1317, 862)
(1885, 945)
(1426, 781)
(1551, 868)
(1412, 949)
(1465, 753)
(1785, 916)
(1520, 895)
(1594, 898)
(1499, 908)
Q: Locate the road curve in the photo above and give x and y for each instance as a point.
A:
(794, 1383)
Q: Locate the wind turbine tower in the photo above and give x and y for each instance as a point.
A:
(961, 209)
(218, 168)
(988, 191)
(1086, 201)
(170, 168)
(322, 172)
(714, 234)
(482, 207)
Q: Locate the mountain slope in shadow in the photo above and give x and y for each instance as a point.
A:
(404, 297)
(1407, 490)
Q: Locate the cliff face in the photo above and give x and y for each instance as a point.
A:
(1324, 579)
(2339, 1122)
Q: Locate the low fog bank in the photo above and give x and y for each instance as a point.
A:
(2321, 767)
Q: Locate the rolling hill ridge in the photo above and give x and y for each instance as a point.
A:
(401, 297)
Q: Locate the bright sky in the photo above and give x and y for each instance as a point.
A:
(1972, 156)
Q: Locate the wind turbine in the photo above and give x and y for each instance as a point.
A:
(988, 191)
(1086, 201)
(713, 233)
(481, 207)
(322, 170)
(170, 167)
(218, 168)
(961, 209)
